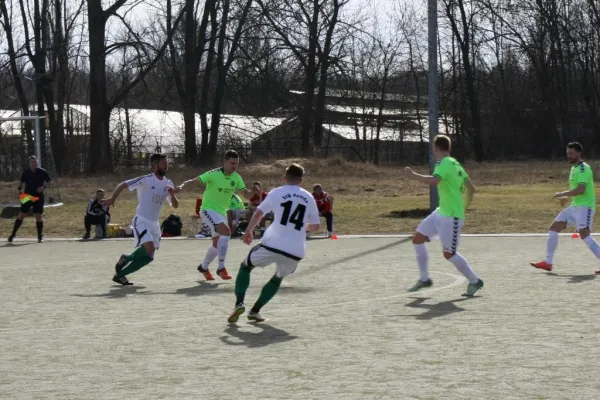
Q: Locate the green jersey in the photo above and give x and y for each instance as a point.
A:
(236, 203)
(450, 189)
(582, 174)
(219, 189)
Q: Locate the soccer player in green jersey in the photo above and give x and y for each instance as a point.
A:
(220, 184)
(581, 211)
(448, 219)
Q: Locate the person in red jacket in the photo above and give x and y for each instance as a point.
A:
(324, 204)
(254, 202)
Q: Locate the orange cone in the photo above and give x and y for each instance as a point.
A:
(575, 236)
(334, 237)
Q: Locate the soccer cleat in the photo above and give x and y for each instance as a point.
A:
(256, 317)
(223, 274)
(421, 285)
(597, 271)
(86, 236)
(10, 238)
(542, 265)
(235, 315)
(473, 288)
(40, 239)
(122, 263)
(206, 272)
(121, 280)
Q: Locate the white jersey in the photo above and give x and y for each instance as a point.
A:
(294, 207)
(151, 194)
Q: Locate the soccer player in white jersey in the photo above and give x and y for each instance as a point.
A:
(283, 243)
(152, 192)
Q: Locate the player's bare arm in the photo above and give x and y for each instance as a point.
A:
(254, 221)
(248, 193)
(578, 191)
(469, 192)
(188, 182)
(174, 199)
(113, 199)
(426, 179)
(313, 227)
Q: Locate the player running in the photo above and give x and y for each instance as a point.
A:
(581, 211)
(152, 191)
(221, 184)
(448, 219)
(283, 244)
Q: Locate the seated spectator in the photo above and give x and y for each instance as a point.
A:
(325, 205)
(235, 213)
(97, 214)
(254, 202)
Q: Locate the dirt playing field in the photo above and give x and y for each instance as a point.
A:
(342, 327)
(511, 197)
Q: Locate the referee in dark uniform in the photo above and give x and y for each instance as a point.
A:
(33, 182)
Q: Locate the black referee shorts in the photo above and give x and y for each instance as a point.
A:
(38, 206)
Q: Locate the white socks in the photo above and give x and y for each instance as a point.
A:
(593, 246)
(422, 260)
(211, 254)
(222, 246)
(463, 267)
(551, 246)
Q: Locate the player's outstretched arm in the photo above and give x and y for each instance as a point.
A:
(313, 227)
(113, 199)
(193, 181)
(578, 191)
(469, 192)
(426, 179)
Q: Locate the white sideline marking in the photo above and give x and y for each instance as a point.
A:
(374, 236)
(290, 311)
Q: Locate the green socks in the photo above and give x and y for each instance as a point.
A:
(267, 293)
(138, 259)
(242, 281)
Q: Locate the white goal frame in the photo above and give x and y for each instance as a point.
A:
(38, 145)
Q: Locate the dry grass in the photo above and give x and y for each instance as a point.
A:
(512, 197)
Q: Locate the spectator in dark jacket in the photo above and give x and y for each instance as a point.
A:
(97, 214)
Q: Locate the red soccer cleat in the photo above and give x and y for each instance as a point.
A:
(223, 274)
(542, 265)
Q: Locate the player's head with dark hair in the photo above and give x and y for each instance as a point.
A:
(99, 194)
(159, 164)
(294, 174)
(317, 188)
(442, 143)
(33, 162)
(231, 161)
(574, 152)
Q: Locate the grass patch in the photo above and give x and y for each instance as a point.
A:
(511, 197)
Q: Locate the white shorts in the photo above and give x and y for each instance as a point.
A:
(579, 216)
(146, 231)
(212, 219)
(261, 256)
(447, 228)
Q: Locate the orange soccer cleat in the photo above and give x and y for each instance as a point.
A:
(206, 272)
(542, 265)
(223, 274)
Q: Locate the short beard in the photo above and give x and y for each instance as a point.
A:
(160, 172)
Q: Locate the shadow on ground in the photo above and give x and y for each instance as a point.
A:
(574, 278)
(435, 310)
(266, 336)
(117, 292)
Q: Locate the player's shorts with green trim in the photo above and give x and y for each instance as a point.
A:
(145, 231)
(262, 256)
(579, 216)
(448, 229)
